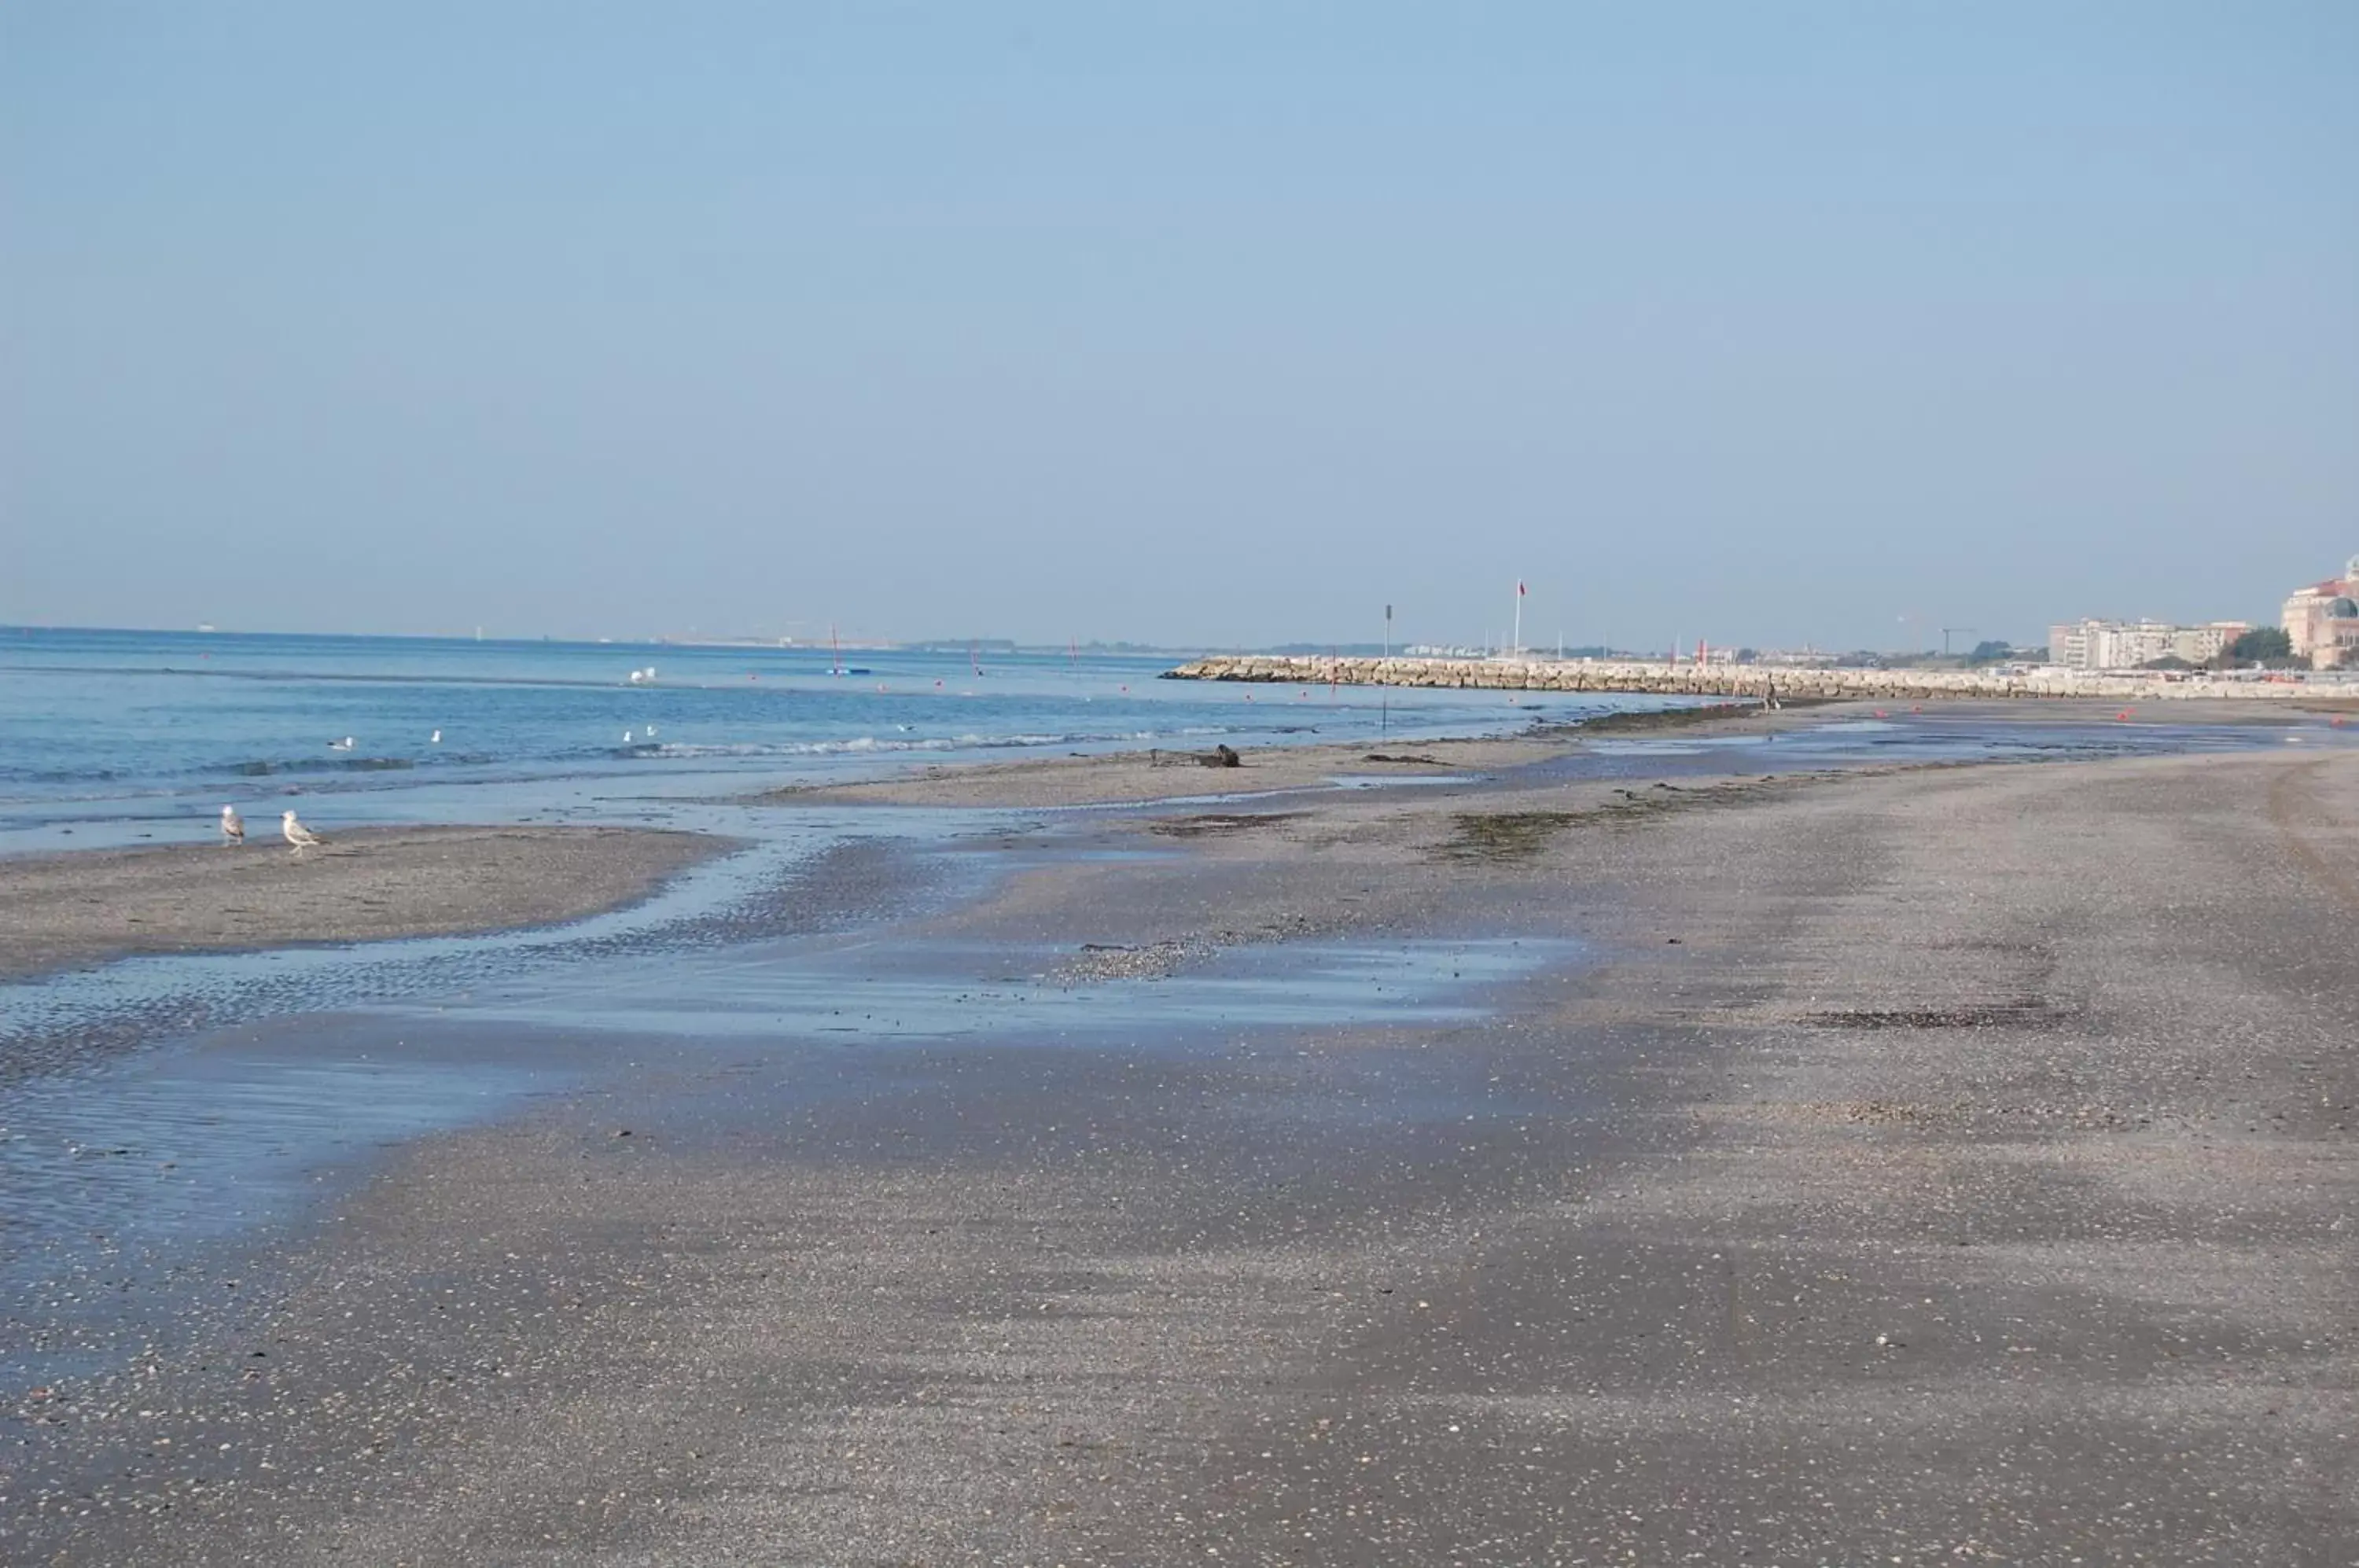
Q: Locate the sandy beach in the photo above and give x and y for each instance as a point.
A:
(1242, 786)
(1946, 1164)
(61, 910)
(1132, 778)
(1135, 777)
(1140, 778)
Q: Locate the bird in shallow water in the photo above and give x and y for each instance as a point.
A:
(344, 745)
(301, 837)
(232, 826)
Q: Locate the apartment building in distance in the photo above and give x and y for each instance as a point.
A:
(2133, 645)
(2323, 620)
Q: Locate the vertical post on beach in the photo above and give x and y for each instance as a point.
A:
(1517, 646)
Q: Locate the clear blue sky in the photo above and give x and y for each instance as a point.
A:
(1189, 322)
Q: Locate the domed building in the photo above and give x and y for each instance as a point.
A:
(2323, 620)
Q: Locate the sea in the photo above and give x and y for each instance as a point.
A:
(124, 738)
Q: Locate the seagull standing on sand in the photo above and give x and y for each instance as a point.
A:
(232, 826)
(301, 837)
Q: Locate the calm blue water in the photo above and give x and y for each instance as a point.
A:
(118, 735)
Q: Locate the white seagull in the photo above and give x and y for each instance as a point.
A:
(434, 739)
(232, 826)
(344, 745)
(301, 837)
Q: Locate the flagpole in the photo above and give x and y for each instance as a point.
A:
(1518, 648)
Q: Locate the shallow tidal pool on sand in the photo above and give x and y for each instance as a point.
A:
(127, 1169)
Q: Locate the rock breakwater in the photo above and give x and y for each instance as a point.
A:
(1754, 681)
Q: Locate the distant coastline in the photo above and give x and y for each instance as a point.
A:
(1757, 681)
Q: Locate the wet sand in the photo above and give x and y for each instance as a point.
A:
(1949, 1165)
(62, 911)
(1142, 777)
(1128, 778)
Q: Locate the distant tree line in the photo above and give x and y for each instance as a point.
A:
(2269, 647)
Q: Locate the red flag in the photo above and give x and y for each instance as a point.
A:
(1520, 588)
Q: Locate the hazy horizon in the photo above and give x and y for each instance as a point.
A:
(1212, 326)
(939, 642)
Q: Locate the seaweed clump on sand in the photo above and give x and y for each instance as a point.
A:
(1219, 823)
(1676, 718)
(1222, 755)
(1506, 835)
(1519, 835)
(2036, 1013)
